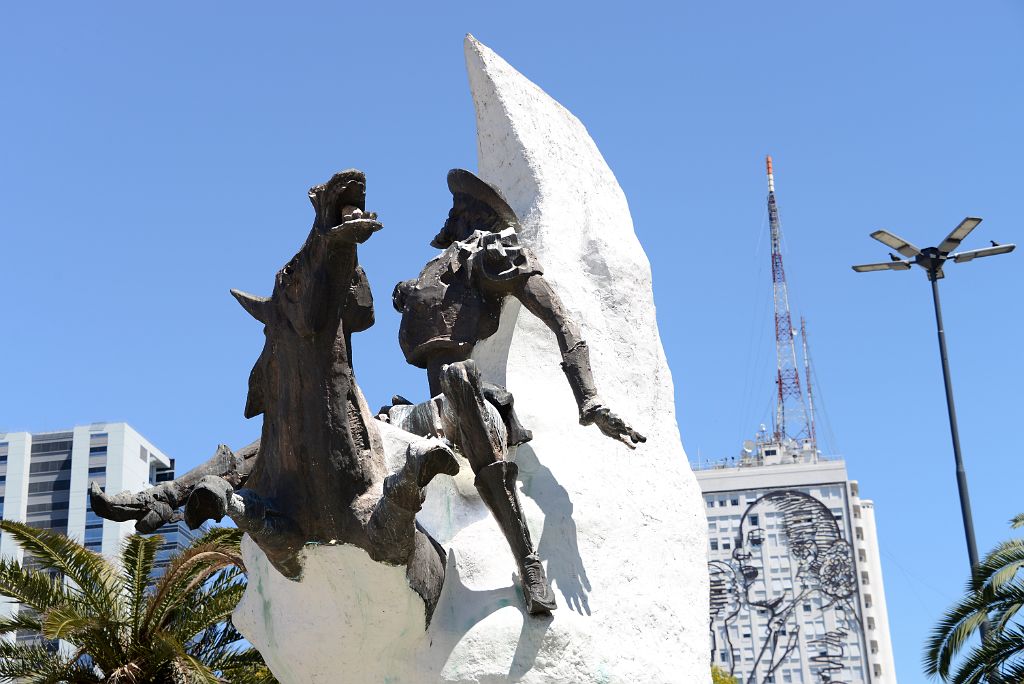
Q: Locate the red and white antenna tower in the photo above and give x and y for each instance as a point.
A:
(790, 413)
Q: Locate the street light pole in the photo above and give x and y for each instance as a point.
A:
(961, 474)
(932, 259)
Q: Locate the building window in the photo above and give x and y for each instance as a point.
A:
(864, 577)
(860, 533)
(714, 544)
(51, 447)
(877, 670)
(867, 600)
(754, 520)
(862, 555)
(874, 646)
(50, 466)
(711, 503)
(46, 487)
(871, 622)
(98, 470)
(735, 501)
(807, 607)
(725, 544)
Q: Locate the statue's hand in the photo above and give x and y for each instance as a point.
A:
(612, 425)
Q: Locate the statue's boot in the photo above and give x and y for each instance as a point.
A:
(393, 522)
(497, 486)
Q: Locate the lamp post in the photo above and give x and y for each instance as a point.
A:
(932, 259)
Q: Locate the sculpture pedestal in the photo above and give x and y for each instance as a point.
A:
(622, 532)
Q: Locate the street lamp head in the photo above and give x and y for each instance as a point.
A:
(969, 255)
(931, 259)
(898, 265)
(958, 234)
(899, 244)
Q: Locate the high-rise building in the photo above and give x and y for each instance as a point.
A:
(44, 481)
(796, 582)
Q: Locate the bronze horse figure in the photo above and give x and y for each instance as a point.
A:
(317, 474)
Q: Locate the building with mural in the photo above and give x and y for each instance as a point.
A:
(797, 595)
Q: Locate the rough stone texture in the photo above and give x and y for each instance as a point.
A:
(622, 532)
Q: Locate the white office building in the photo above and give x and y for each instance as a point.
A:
(796, 583)
(44, 481)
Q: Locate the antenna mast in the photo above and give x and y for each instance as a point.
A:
(790, 399)
(812, 433)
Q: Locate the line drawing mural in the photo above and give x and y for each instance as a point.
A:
(777, 602)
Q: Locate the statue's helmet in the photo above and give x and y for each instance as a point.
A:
(465, 184)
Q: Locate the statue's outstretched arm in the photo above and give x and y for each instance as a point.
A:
(542, 301)
(156, 506)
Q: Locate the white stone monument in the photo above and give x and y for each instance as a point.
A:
(622, 532)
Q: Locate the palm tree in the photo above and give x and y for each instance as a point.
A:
(995, 594)
(121, 627)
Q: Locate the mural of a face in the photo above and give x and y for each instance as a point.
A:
(811, 536)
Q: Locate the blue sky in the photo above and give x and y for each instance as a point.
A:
(155, 156)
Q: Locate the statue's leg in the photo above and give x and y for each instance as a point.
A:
(392, 529)
(482, 442)
(503, 400)
(393, 519)
(156, 506)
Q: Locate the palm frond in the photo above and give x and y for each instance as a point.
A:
(994, 597)
(35, 589)
(984, 662)
(246, 667)
(93, 576)
(23, 662)
(27, 620)
(186, 666)
(138, 555)
(228, 537)
(66, 622)
(187, 572)
(211, 608)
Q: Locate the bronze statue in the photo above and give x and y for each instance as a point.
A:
(456, 302)
(317, 473)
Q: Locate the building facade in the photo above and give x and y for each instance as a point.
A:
(796, 582)
(44, 481)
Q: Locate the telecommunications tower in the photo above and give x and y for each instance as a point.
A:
(792, 418)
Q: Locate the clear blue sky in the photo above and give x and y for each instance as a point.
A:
(156, 155)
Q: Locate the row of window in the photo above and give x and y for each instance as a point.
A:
(50, 466)
(51, 447)
(47, 487)
(47, 507)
